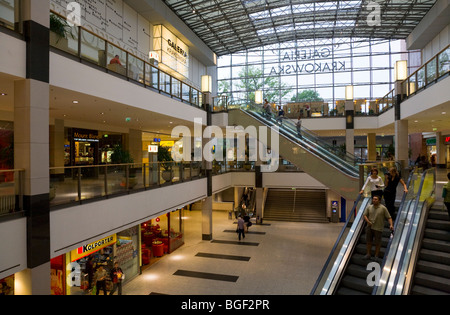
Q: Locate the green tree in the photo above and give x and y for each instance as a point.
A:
(252, 79)
(307, 96)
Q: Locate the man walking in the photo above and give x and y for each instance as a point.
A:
(374, 215)
(241, 225)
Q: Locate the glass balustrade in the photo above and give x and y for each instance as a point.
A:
(94, 49)
(11, 191)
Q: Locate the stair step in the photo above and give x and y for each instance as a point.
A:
(433, 268)
(438, 224)
(437, 234)
(438, 215)
(437, 245)
(432, 282)
(421, 290)
(435, 256)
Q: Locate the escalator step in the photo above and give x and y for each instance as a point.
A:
(437, 234)
(421, 290)
(357, 271)
(438, 215)
(357, 284)
(438, 245)
(438, 224)
(435, 256)
(433, 268)
(348, 291)
(433, 282)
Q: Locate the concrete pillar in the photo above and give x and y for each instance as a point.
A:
(57, 149)
(135, 145)
(207, 218)
(401, 140)
(349, 127)
(259, 203)
(371, 147)
(441, 150)
(31, 145)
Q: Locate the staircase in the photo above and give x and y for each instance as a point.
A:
(354, 281)
(432, 276)
(296, 206)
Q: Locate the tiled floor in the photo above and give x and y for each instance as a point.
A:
(284, 258)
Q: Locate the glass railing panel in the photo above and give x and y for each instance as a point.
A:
(11, 191)
(164, 82)
(93, 48)
(186, 93)
(67, 39)
(117, 179)
(135, 68)
(116, 59)
(431, 70)
(64, 185)
(176, 88)
(420, 78)
(9, 13)
(444, 62)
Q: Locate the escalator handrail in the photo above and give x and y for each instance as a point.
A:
(304, 130)
(409, 232)
(341, 234)
(400, 210)
(342, 165)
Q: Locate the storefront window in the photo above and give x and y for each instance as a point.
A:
(7, 286)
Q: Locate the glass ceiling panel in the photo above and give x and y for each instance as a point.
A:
(229, 26)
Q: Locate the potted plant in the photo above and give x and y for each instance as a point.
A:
(59, 31)
(122, 156)
(165, 157)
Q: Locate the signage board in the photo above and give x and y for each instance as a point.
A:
(91, 248)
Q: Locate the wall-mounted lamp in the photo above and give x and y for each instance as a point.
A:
(401, 70)
(258, 97)
(206, 84)
(349, 93)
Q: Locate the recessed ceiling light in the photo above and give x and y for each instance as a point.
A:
(75, 102)
(443, 113)
(3, 94)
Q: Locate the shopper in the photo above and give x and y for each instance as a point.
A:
(240, 228)
(446, 194)
(117, 276)
(375, 182)
(392, 178)
(299, 125)
(374, 215)
(100, 278)
(266, 109)
(115, 60)
(280, 115)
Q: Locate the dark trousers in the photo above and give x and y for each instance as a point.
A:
(115, 286)
(101, 285)
(389, 199)
(241, 231)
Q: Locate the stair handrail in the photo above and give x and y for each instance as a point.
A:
(336, 244)
(388, 259)
(397, 285)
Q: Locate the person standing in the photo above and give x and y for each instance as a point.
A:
(392, 178)
(100, 278)
(375, 182)
(299, 125)
(241, 226)
(280, 116)
(446, 194)
(117, 277)
(374, 215)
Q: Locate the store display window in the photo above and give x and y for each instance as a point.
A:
(7, 286)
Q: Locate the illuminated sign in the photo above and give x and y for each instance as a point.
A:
(78, 136)
(447, 139)
(153, 148)
(88, 249)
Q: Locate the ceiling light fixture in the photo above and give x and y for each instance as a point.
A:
(3, 94)
(75, 102)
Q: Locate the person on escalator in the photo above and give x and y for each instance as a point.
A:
(280, 115)
(299, 125)
(374, 216)
(392, 180)
(266, 109)
(375, 182)
(446, 194)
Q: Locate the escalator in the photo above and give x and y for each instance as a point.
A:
(337, 170)
(346, 272)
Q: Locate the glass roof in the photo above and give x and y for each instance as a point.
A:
(228, 26)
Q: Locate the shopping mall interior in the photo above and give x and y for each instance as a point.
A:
(195, 148)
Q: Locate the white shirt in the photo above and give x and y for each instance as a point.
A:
(373, 182)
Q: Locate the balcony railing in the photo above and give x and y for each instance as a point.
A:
(92, 48)
(432, 71)
(11, 191)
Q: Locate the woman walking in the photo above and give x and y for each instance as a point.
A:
(392, 178)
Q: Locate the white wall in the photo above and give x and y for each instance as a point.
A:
(436, 45)
(13, 247)
(13, 56)
(72, 227)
